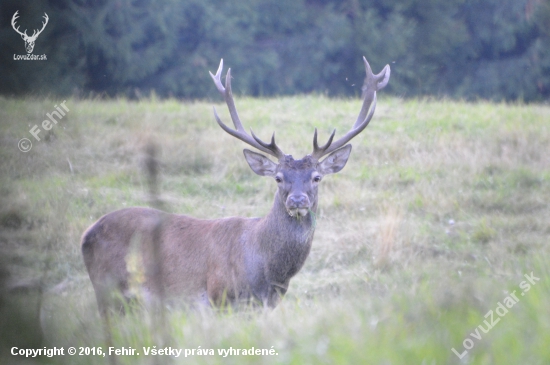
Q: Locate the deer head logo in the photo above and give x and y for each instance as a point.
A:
(29, 41)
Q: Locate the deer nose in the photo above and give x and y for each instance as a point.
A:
(297, 201)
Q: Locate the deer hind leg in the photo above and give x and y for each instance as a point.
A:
(108, 277)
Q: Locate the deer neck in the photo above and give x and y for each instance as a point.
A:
(284, 241)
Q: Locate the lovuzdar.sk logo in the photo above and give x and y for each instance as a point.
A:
(29, 40)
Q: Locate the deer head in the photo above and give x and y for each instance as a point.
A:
(29, 41)
(297, 180)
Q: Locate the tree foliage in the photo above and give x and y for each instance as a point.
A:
(495, 49)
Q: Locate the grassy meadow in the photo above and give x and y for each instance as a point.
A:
(422, 239)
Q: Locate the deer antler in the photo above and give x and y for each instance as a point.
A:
(35, 33)
(373, 83)
(239, 131)
(34, 36)
(13, 19)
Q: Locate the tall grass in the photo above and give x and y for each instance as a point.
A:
(439, 214)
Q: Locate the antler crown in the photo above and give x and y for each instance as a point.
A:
(373, 83)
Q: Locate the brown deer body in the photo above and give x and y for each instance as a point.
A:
(232, 259)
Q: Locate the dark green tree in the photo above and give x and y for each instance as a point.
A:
(494, 49)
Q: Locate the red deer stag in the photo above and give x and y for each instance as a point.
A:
(231, 259)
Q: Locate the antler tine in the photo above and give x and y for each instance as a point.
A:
(227, 95)
(272, 146)
(319, 151)
(239, 131)
(373, 83)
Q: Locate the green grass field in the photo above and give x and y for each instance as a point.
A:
(427, 233)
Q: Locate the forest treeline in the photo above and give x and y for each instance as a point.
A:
(491, 49)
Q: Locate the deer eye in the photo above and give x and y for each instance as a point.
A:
(317, 178)
(278, 179)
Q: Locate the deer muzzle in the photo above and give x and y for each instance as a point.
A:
(297, 205)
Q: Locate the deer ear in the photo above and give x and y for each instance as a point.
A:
(260, 164)
(335, 161)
